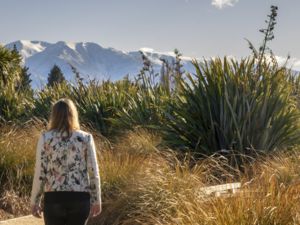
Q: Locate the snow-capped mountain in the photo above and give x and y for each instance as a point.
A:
(28, 48)
(90, 59)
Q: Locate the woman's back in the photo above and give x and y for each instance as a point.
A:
(66, 161)
(66, 170)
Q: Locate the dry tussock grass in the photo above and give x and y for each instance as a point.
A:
(13, 205)
(166, 191)
(17, 154)
(143, 183)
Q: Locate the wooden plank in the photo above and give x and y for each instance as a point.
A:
(219, 189)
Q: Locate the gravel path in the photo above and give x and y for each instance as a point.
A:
(24, 220)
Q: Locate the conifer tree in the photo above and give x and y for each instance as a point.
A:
(24, 82)
(55, 76)
(15, 50)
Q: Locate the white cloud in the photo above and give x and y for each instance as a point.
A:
(223, 3)
(293, 63)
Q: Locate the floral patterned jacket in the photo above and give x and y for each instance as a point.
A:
(66, 164)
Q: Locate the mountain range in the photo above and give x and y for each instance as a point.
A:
(90, 59)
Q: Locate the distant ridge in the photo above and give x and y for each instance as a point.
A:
(90, 59)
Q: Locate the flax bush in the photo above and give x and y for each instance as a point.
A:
(46, 97)
(98, 103)
(14, 102)
(231, 105)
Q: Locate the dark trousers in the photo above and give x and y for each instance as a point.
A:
(66, 208)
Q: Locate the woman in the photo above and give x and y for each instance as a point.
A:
(66, 170)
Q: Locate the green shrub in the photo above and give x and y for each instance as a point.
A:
(47, 96)
(230, 105)
(98, 103)
(145, 108)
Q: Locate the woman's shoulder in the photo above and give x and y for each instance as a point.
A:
(47, 133)
(80, 133)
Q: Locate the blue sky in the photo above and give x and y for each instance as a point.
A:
(196, 27)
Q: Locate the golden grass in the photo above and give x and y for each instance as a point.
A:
(13, 205)
(144, 183)
(17, 155)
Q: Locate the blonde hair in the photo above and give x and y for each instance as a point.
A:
(64, 116)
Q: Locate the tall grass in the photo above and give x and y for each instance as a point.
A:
(17, 156)
(145, 183)
(168, 193)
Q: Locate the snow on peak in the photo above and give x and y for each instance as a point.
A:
(31, 47)
(28, 48)
(145, 49)
(71, 45)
